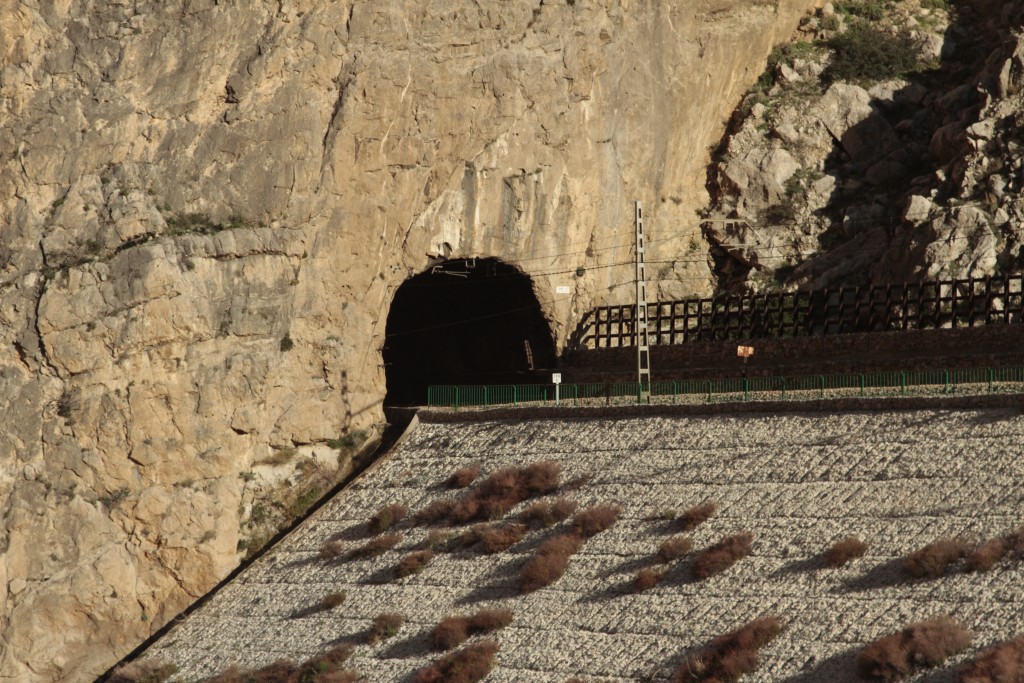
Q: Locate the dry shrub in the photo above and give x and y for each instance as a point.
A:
(697, 515)
(413, 563)
(843, 551)
(328, 602)
(921, 645)
(1003, 663)
(592, 520)
(548, 513)
(323, 668)
(934, 559)
(331, 550)
(463, 477)
(376, 546)
(387, 517)
(722, 555)
(729, 656)
(494, 496)
(498, 539)
(987, 555)
(436, 540)
(674, 548)
(647, 578)
(384, 626)
(148, 671)
(453, 631)
(435, 513)
(468, 665)
(550, 562)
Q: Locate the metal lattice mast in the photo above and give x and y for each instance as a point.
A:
(643, 342)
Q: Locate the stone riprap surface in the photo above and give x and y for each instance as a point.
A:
(798, 482)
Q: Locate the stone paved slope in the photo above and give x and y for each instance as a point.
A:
(797, 481)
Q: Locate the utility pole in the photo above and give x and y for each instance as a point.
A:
(642, 340)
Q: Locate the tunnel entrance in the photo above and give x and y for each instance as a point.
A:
(465, 321)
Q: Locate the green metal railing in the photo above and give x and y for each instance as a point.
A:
(804, 387)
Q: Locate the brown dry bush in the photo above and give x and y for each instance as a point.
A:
(729, 656)
(550, 562)
(921, 645)
(413, 563)
(387, 517)
(697, 515)
(1003, 663)
(934, 559)
(647, 578)
(323, 668)
(468, 665)
(436, 540)
(384, 626)
(376, 546)
(592, 520)
(845, 550)
(494, 496)
(435, 512)
(498, 539)
(463, 477)
(674, 548)
(453, 631)
(545, 513)
(148, 671)
(331, 550)
(987, 555)
(722, 555)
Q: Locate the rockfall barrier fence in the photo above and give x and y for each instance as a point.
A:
(938, 304)
(965, 381)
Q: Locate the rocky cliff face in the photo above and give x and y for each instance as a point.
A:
(207, 207)
(877, 148)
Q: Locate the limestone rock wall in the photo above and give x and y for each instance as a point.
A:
(885, 177)
(206, 207)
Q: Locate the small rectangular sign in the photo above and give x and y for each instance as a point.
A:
(556, 378)
(562, 289)
(744, 351)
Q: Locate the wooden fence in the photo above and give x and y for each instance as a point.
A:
(908, 306)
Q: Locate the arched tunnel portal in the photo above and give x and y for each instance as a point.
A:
(465, 321)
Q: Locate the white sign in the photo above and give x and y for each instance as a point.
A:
(744, 351)
(562, 289)
(556, 378)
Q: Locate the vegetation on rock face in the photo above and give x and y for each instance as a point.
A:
(200, 223)
(867, 54)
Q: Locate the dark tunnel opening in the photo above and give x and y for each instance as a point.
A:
(465, 321)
